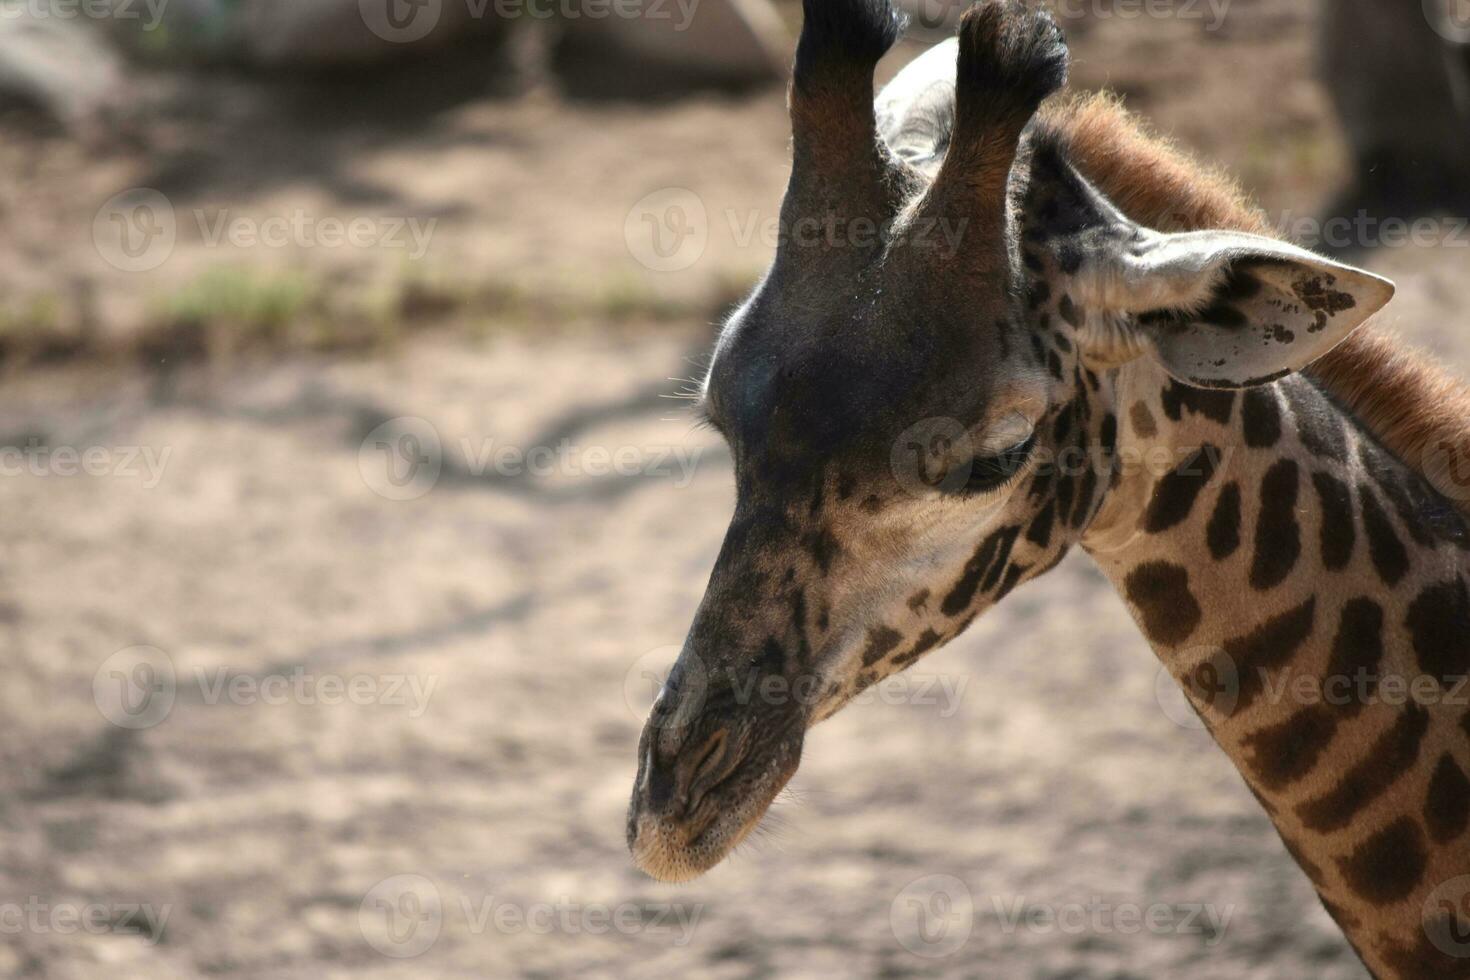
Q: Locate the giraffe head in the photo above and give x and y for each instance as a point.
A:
(916, 396)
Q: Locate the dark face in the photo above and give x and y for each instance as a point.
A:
(883, 403)
(878, 444)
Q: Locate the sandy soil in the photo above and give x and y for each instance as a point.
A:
(461, 814)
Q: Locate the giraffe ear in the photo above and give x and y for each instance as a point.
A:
(1223, 309)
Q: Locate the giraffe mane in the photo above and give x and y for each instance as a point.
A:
(1408, 403)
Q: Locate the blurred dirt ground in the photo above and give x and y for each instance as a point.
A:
(500, 622)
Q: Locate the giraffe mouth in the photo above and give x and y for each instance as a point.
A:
(681, 842)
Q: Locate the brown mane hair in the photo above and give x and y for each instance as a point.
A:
(1416, 410)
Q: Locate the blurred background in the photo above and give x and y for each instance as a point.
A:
(347, 526)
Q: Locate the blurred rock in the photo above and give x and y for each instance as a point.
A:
(318, 33)
(58, 69)
(733, 41)
(1398, 73)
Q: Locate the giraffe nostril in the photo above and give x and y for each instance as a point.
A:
(676, 780)
(660, 782)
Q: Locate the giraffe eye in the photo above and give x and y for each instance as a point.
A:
(990, 473)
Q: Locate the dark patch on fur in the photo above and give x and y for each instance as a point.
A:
(978, 567)
(1318, 422)
(1175, 493)
(1339, 525)
(1388, 866)
(1390, 756)
(1278, 536)
(1039, 533)
(1439, 623)
(881, 642)
(1357, 653)
(1389, 555)
(1222, 534)
(1284, 752)
(1143, 421)
(1160, 592)
(1214, 405)
(1260, 416)
(1447, 809)
(1267, 648)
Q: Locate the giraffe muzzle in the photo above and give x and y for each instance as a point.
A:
(700, 791)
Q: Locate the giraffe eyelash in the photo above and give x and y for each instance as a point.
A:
(991, 473)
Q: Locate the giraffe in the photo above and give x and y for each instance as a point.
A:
(1003, 322)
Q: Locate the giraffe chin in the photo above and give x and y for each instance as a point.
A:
(676, 848)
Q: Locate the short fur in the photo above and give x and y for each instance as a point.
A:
(1409, 404)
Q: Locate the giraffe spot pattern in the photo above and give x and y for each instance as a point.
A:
(881, 642)
(1039, 533)
(1388, 553)
(1357, 651)
(1308, 866)
(1447, 810)
(1086, 494)
(1068, 311)
(986, 564)
(1267, 648)
(1260, 418)
(1339, 528)
(927, 641)
(1390, 756)
(1278, 537)
(1389, 865)
(1218, 406)
(1222, 533)
(1143, 421)
(1318, 422)
(1283, 753)
(1439, 624)
(1160, 592)
(1011, 580)
(1175, 494)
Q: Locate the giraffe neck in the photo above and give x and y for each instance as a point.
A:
(1309, 592)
